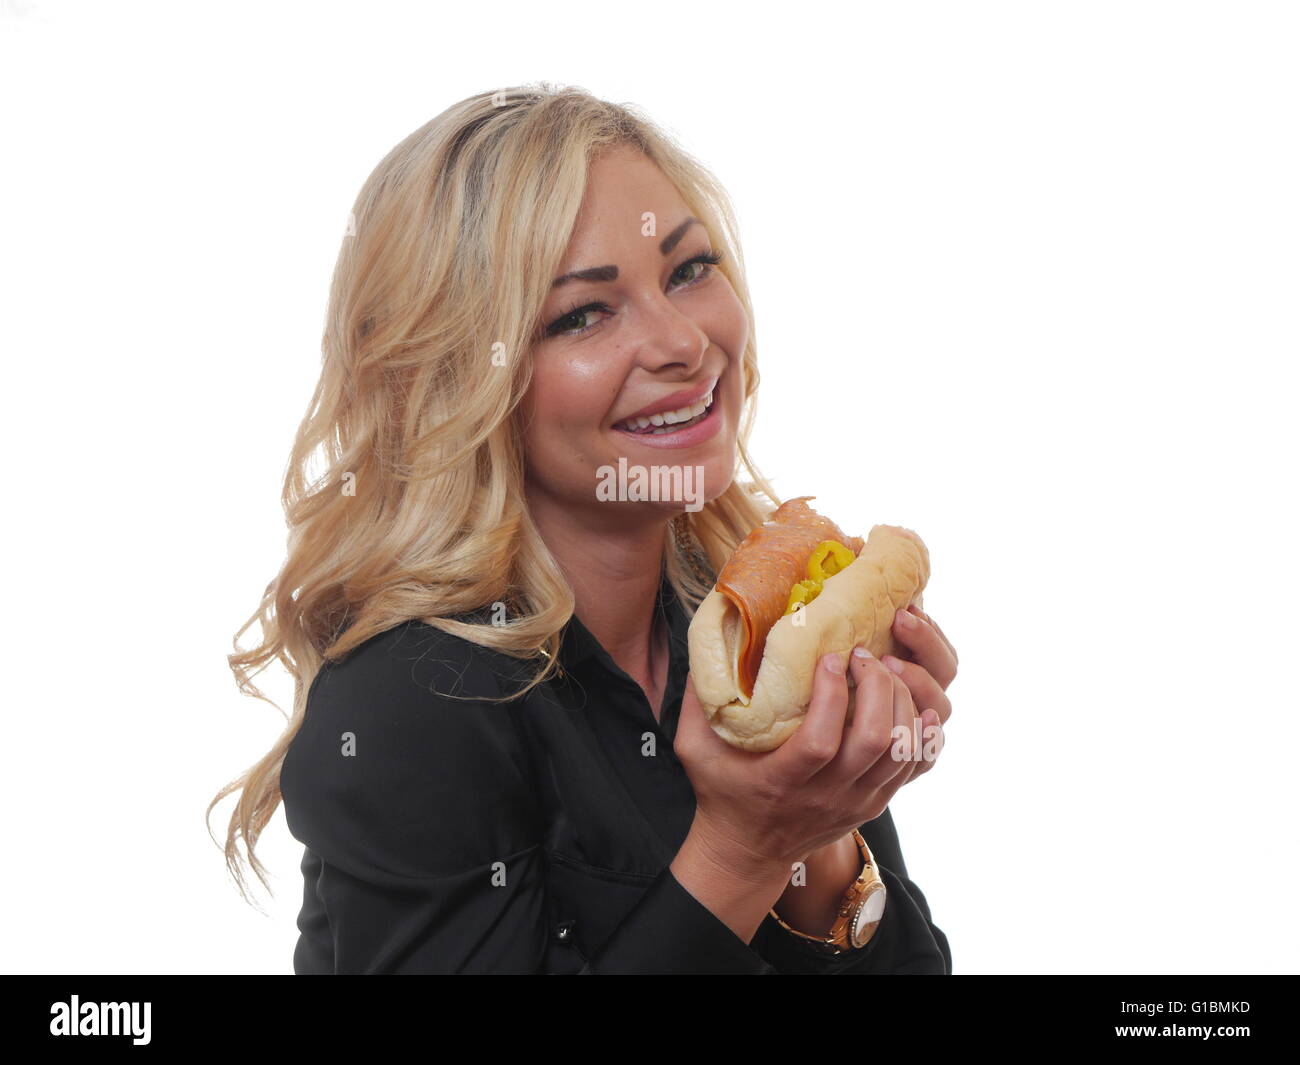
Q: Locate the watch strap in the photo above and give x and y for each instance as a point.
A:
(839, 939)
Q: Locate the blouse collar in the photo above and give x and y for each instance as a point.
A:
(578, 644)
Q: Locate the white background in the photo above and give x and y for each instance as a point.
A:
(1025, 277)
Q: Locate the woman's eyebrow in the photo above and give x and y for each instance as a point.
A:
(610, 273)
(670, 242)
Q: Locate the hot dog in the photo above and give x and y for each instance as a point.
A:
(796, 588)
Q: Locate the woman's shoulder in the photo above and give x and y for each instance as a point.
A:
(405, 722)
(412, 690)
(415, 660)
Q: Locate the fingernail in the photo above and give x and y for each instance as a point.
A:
(861, 651)
(893, 663)
(906, 620)
(834, 662)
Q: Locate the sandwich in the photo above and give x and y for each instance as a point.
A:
(796, 588)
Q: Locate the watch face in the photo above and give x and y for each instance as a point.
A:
(869, 913)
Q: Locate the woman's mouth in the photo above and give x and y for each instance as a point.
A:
(671, 421)
(682, 429)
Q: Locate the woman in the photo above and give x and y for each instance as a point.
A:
(496, 761)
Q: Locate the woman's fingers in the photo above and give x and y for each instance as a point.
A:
(932, 739)
(915, 609)
(925, 690)
(925, 646)
(878, 785)
(906, 736)
(819, 736)
(924, 741)
(869, 740)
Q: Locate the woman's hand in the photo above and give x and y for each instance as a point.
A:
(930, 669)
(827, 779)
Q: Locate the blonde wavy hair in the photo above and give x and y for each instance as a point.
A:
(417, 510)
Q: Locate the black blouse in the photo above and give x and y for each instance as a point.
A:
(529, 836)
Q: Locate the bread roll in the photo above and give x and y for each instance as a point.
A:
(855, 606)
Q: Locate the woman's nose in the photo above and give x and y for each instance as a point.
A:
(666, 334)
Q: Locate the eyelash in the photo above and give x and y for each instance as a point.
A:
(708, 259)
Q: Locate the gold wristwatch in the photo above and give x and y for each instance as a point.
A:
(860, 910)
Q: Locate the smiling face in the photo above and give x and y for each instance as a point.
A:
(648, 325)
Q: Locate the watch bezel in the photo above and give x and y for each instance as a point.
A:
(860, 934)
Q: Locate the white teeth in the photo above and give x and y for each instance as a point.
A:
(669, 417)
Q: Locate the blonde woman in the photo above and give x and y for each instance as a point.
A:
(495, 760)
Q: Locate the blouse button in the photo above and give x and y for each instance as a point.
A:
(564, 931)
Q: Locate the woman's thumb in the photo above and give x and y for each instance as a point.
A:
(690, 721)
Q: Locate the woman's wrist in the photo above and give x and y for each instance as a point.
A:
(811, 903)
(737, 886)
(724, 851)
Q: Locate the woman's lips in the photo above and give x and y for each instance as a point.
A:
(689, 436)
(667, 421)
(681, 400)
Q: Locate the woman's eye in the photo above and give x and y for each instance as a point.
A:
(575, 321)
(698, 267)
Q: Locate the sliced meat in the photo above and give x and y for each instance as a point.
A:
(762, 570)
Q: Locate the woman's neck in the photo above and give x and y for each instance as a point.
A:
(615, 573)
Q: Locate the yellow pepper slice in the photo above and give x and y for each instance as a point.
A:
(803, 593)
(826, 560)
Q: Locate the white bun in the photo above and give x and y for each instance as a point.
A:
(855, 606)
